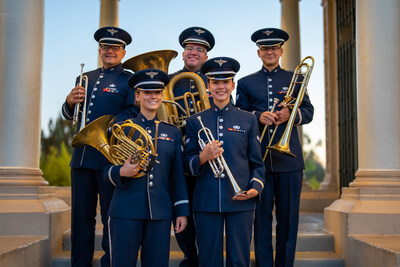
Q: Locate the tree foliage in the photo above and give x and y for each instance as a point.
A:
(315, 172)
(56, 152)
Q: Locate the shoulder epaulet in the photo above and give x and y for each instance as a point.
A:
(167, 123)
(127, 71)
(174, 73)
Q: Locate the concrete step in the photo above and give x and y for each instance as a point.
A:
(306, 241)
(303, 259)
(21, 251)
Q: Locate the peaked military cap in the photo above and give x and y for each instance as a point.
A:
(269, 37)
(149, 79)
(220, 68)
(112, 36)
(197, 35)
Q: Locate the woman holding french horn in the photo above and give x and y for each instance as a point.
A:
(146, 195)
(223, 152)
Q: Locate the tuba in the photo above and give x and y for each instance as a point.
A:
(121, 145)
(169, 109)
(301, 76)
(218, 165)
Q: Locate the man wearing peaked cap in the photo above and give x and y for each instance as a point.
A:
(284, 175)
(108, 93)
(142, 208)
(196, 41)
(218, 203)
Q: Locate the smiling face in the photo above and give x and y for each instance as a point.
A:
(221, 91)
(149, 100)
(270, 56)
(194, 56)
(111, 56)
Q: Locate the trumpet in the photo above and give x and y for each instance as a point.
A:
(282, 145)
(218, 165)
(82, 78)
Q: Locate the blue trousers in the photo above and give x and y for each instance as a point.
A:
(128, 235)
(283, 190)
(210, 237)
(86, 186)
(187, 238)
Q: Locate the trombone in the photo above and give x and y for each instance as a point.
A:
(217, 165)
(282, 145)
(82, 78)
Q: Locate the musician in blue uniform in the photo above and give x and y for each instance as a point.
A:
(196, 41)
(142, 208)
(284, 174)
(221, 199)
(108, 93)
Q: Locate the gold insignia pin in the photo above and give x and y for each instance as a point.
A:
(152, 74)
(268, 32)
(199, 31)
(220, 62)
(112, 31)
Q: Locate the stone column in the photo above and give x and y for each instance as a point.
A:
(108, 17)
(21, 52)
(365, 220)
(28, 207)
(290, 23)
(317, 200)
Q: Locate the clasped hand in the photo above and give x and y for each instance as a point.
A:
(277, 117)
(76, 95)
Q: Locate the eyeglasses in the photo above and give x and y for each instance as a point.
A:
(114, 48)
(270, 48)
(198, 49)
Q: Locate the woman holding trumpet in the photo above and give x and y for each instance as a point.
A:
(229, 170)
(142, 208)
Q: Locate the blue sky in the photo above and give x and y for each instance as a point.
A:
(156, 25)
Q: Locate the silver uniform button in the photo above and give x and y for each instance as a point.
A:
(271, 131)
(97, 82)
(89, 111)
(87, 120)
(151, 176)
(270, 107)
(221, 134)
(270, 100)
(270, 86)
(222, 142)
(270, 80)
(221, 120)
(91, 104)
(221, 127)
(93, 96)
(149, 131)
(151, 183)
(95, 89)
(192, 86)
(270, 93)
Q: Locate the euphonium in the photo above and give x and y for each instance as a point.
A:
(218, 165)
(168, 111)
(300, 78)
(82, 78)
(121, 145)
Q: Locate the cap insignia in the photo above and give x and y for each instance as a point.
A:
(268, 32)
(112, 31)
(220, 62)
(152, 74)
(199, 31)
